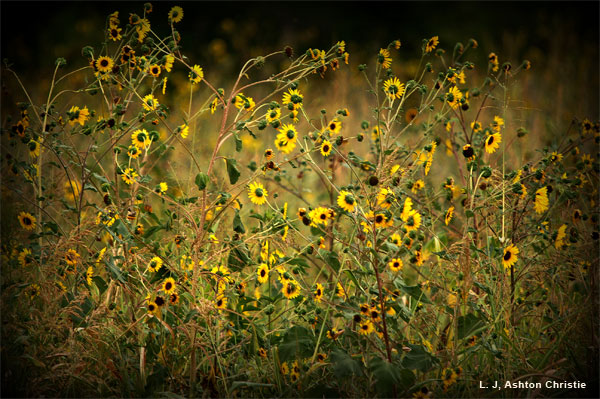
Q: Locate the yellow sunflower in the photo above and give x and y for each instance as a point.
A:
(72, 257)
(366, 327)
(140, 138)
(273, 115)
(541, 200)
(155, 264)
(346, 201)
(196, 74)
(385, 198)
(168, 286)
(393, 88)
(34, 148)
(453, 97)
(154, 70)
(293, 99)
(319, 215)
(413, 221)
(318, 293)
(257, 193)
(114, 33)
(396, 239)
(129, 176)
(27, 220)
(449, 215)
(263, 273)
(150, 103)
(510, 256)
(104, 64)
(169, 60)
(77, 115)
(432, 44)
(176, 14)
(395, 264)
(325, 148)
(384, 59)
(221, 302)
(291, 289)
(492, 142)
(334, 126)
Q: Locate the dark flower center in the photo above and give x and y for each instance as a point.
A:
(104, 63)
(490, 140)
(507, 255)
(168, 286)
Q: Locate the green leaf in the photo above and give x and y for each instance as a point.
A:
(469, 325)
(237, 384)
(387, 376)
(297, 343)
(332, 259)
(232, 170)
(238, 226)
(343, 365)
(238, 142)
(201, 180)
(418, 358)
(238, 256)
(415, 292)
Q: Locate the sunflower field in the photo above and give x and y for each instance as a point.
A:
(421, 224)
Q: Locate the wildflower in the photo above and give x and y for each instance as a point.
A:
(173, 298)
(497, 124)
(292, 98)
(221, 302)
(142, 28)
(382, 221)
(375, 133)
(263, 273)
(140, 138)
(27, 220)
(449, 215)
(129, 176)
(422, 393)
(385, 198)
(586, 127)
(418, 185)
(476, 126)
(168, 286)
(448, 378)
(133, 152)
(269, 154)
(510, 256)
(319, 215)
(393, 88)
(334, 333)
(491, 142)
(576, 216)
(555, 156)
(340, 291)
(184, 130)
(72, 257)
(114, 33)
(560, 237)
(325, 148)
(395, 264)
(176, 14)
(257, 193)
(273, 115)
(493, 61)
(155, 264)
(366, 327)
(453, 97)
(33, 290)
(346, 201)
(150, 103)
(318, 292)
(541, 200)
(384, 59)
(291, 289)
(25, 258)
(468, 152)
(432, 44)
(406, 209)
(196, 74)
(413, 221)
(77, 115)
(113, 19)
(396, 239)
(104, 64)
(154, 70)
(334, 126)
(89, 274)
(169, 60)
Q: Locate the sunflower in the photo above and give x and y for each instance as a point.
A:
(385, 198)
(196, 74)
(288, 132)
(413, 221)
(395, 264)
(114, 33)
(334, 126)
(346, 201)
(381, 221)
(155, 264)
(173, 298)
(541, 200)
(325, 148)
(449, 215)
(453, 97)
(154, 70)
(448, 378)
(576, 216)
(418, 185)
(396, 239)
(366, 327)
(129, 176)
(140, 138)
(89, 274)
(468, 152)
(273, 115)
(491, 142)
(257, 193)
(176, 14)
(393, 88)
(384, 59)
(476, 127)
(293, 99)
(497, 124)
(150, 103)
(319, 215)
(432, 44)
(510, 256)
(284, 145)
(25, 257)
(340, 291)
(77, 115)
(318, 293)
(269, 154)
(560, 237)
(133, 152)
(263, 273)
(184, 130)
(72, 257)
(556, 157)
(27, 220)
(104, 64)
(168, 286)
(213, 105)
(291, 289)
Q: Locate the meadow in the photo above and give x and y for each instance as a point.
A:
(419, 219)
